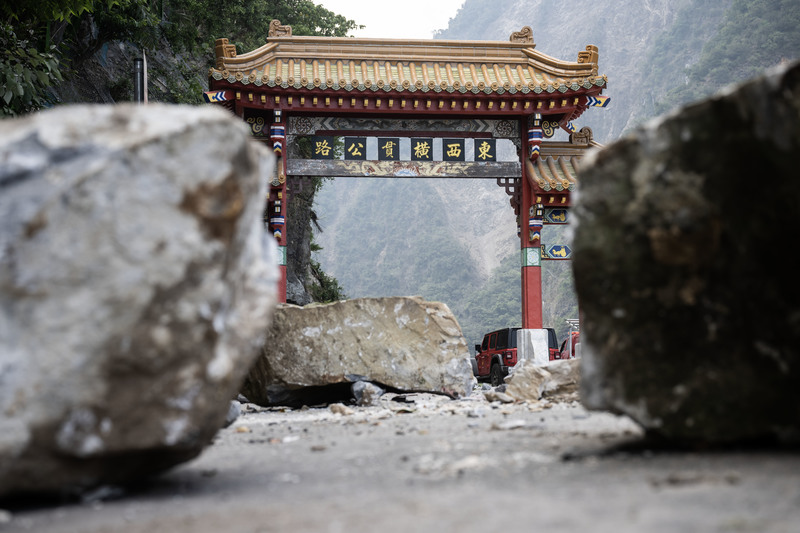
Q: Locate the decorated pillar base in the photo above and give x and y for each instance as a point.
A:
(531, 288)
(282, 268)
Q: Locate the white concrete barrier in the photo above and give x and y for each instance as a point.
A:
(532, 345)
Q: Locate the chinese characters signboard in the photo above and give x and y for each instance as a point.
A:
(322, 147)
(421, 149)
(388, 149)
(355, 148)
(453, 150)
(485, 150)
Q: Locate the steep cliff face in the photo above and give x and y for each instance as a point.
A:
(106, 77)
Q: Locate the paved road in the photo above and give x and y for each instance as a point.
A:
(444, 466)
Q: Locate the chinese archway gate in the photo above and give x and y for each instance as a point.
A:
(336, 107)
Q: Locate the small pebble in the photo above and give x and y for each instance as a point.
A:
(340, 409)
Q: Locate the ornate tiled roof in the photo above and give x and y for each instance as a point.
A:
(396, 66)
(556, 169)
(554, 173)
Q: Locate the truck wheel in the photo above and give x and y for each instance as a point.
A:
(496, 375)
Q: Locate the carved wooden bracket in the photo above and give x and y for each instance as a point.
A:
(511, 186)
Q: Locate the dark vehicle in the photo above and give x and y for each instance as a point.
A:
(552, 344)
(499, 351)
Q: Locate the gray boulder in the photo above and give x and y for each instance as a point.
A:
(688, 290)
(531, 382)
(134, 288)
(402, 343)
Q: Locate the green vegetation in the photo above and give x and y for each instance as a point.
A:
(195, 24)
(37, 11)
(752, 36)
(25, 72)
(44, 42)
(324, 288)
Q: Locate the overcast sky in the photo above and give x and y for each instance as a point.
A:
(402, 19)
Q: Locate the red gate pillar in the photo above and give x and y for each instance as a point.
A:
(531, 234)
(277, 202)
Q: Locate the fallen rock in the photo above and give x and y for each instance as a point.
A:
(497, 396)
(366, 393)
(689, 295)
(234, 410)
(565, 378)
(530, 381)
(401, 344)
(340, 409)
(134, 286)
(527, 382)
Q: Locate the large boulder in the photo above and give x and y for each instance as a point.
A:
(402, 343)
(134, 288)
(687, 287)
